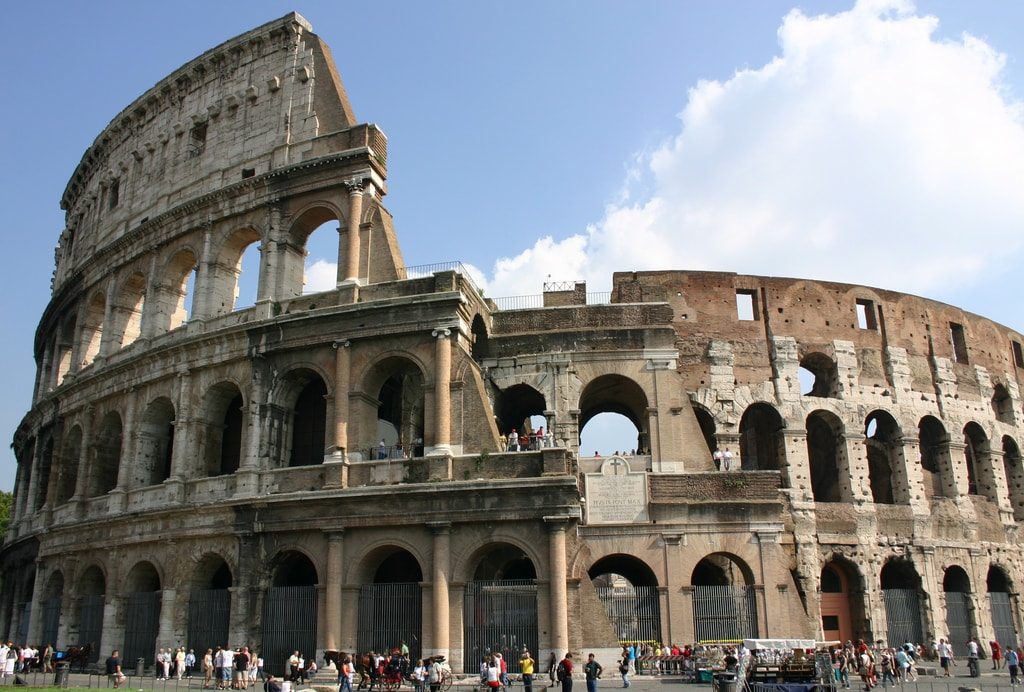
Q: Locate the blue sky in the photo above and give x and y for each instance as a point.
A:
(571, 139)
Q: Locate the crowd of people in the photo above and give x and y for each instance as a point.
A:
(18, 658)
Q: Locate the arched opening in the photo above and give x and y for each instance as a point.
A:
(128, 310)
(936, 470)
(106, 455)
(209, 604)
(883, 441)
(70, 457)
(480, 347)
(92, 328)
(842, 601)
(391, 607)
(63, 349)
(234, 278)
(500, 606)
(1002, 404)
(1000, 600)
(23, 607)
(398, 384)
(515, 406)
(824, 448)
(956, 586)
(619, 395)
(50, 608)
(92, 588)
(724, 601)
(975, 446)
(289, 610)
(707, 428)
(308, 420)
(155, 444)
(221, 429)
(819, 376)
(1014, 471)
(610, 434)
(172, 304)
(901, 593)
(45, 464)
(309, 263)
(628, 590)
(141, 613)
(761, 444)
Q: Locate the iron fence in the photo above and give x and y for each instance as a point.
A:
(903, 615)
(958, 621)
(141, 625)
(499, 616)
(390, 614)
(420, 271)
(635, 612)
(209, 613)
(1002, 618)
(723, 613)
(50, 614)
(289, 624)
(520, 302)
(90, 624)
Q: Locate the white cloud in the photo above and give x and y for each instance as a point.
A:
(321, 275)
(868, 151)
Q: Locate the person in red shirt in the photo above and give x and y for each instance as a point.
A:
(997, 654)
(565, 672)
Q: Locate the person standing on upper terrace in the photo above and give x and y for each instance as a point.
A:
(513, 441)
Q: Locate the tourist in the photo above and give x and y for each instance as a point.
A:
(347, 674)
(419, 678)
(592, 671)
(208, 668)
(272, 684)
(1013, 663)
(945, 656)
(190, 663)
(564, 672)
(435, 675)
(493, 673)
(553, 667)
(624, 669)
(179, 662)
(513, 441)
(114, 674)
(526, 665)
(997, 654)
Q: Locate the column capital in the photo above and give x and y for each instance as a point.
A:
(439, 528)
(354, 185)
(557, 523)
(441, 333)
(341, 343)
(334, 535)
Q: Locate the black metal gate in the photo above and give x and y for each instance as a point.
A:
(724, 613)
(90, 625)
(958, 621)
(141, 626)
(50, 613)
(634, 611)
(499, 616)
(903, 616)
(1002, 618)
(389, 614)
(26, 613)
(209, 612)
(289, 624)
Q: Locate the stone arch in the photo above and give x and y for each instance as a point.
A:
(212, 571)
(1002, 599)
(1002, 404)
(155, 447)
(612, 393)
(209, 603)
(390, 599)
(92, 328)
(70, 458)
(45, 466)
(50, 607)
(956, 587)
(127, 310)
(222, 429)
(301, 398)
(823, 373)
(141, 614)
(761, 444)
(292, 255)
(1014, 471)
(843, 610)
(936, 464)
(170, 304)
(826, 454)
(883, 441)
(290, 607)
(293, 567)
(92, 581)
(480, 347)
(628, 589)
(222, 286)
(708, 428)
(975, 446)
(722, 569)
(724, 599)
(143, 577)
(465, 567)
(901, 593)
(364, 565)
(514, 407)
(106, 459)
(397, 382)
(86, 623)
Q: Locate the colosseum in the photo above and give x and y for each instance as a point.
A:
(329, 471)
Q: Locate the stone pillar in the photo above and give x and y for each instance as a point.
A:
(908, 455)
(181, 455)
(342, 376)
(203, 286)
(355, 213)
(239, 617)
(332, 597)
(349, 609)
(33, 482)
(112, 635)
(168, 607)
(558, 591)
(442, 391)
(441, 564)
(108, 344)
(674, 615)
(852, 463)
(118, 499)
(84, 464)
(796, 465)
(35, 620)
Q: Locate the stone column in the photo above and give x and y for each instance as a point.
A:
(796, 465)
(84, 465)
(442, 391)
(852, 463)
(108, 344)
(112, 635)
(355, 213)
(35, 618)
(441, 564)
(558, 591)
(181, 455)
(33, 481)
(908, 454)
(349, 609)
(168, 607)
(239, 616)
(118, 499)
(342, 376)
(335, 561)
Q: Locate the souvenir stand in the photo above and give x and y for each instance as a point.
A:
(785, 665)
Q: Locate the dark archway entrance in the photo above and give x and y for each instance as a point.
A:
(142, 613)
(628, 590)
(92, 587)
(391, 607)
(289, 610)
(209, 605)
(957, 587)
(51, 607)
(761, 442)
(500, 607)
(901, 587)
(724, 601)
(1001, 607)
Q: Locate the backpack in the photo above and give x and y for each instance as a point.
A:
(560, 671)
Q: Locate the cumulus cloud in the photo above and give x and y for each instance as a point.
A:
(868, 150)
(321, 275)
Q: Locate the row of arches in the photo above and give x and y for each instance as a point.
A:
(949, 468)
(203, 274)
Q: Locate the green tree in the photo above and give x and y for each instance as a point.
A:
(6, 500)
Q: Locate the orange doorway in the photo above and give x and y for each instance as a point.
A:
(835, 604)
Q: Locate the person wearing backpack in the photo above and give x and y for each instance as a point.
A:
(624, 670)
(564, 672)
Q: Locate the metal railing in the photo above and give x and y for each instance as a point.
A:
(419, 271)
(599, 298)
(520, 302)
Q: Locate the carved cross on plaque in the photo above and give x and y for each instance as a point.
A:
(615, 467)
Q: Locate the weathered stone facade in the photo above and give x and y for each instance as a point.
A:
(184, 457)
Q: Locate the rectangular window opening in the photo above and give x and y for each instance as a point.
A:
(1018, 354)
(196, 139)
(830, 623)
(114, 194)
(746, 304)
(248, 172)
(959, 341)
(867, 318)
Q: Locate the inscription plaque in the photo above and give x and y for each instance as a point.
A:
(616, 495)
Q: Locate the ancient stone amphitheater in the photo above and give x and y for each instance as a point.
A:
(199, 474)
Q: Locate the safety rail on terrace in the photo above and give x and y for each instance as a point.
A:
(419, 271)
(536, 301)
(461, 467)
